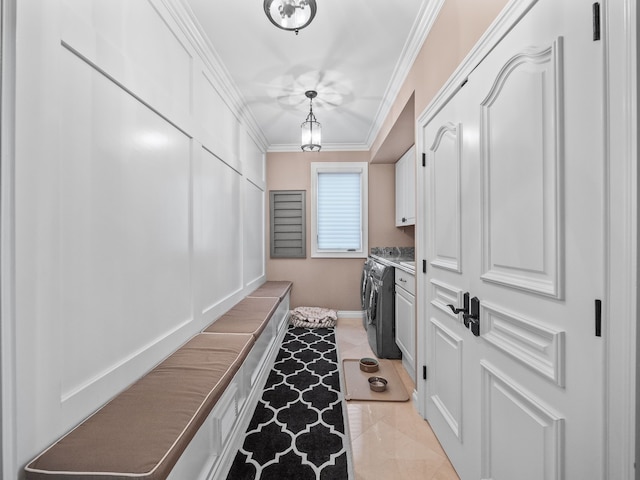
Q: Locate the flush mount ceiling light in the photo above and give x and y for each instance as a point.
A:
(311, 129)
(290, 14)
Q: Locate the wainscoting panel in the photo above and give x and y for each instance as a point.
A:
(126, 228)
(253, 164)
(217, 122)
(125, 268)
(220, 248)
(131, 43)
(254, 233)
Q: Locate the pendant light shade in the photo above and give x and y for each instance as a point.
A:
(311, 129)
(290, 14)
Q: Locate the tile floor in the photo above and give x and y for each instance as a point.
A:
(389, 439)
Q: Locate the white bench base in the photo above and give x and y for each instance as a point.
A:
(212, 450)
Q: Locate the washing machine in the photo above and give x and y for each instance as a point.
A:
(380, 312)
(365, 287)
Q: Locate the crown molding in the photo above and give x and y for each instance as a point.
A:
(429, 11)
(333, 147)
(425, 19)
(509, 16)
(184, 17)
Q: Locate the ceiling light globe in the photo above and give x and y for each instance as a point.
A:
(290, 15)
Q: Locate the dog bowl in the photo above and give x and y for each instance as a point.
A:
(377, 384)
(369, 365)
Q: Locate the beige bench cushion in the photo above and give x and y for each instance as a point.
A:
(272, 288)
(143, 431)
(250, 315)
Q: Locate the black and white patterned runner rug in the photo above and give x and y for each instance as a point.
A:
(298, 428)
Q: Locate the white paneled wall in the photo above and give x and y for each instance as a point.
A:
(123, 224)
(220, 245)
(139, 203)
(254, 233)
(216, 122)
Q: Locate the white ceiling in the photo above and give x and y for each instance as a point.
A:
(355, 54)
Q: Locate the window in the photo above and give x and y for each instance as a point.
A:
(339, 209)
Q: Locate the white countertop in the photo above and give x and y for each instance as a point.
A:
(405, 264)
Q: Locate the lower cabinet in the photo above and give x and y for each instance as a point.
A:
(406, 320)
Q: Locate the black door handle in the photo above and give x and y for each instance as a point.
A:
(472, 319)
(464, 309)
(470, 313)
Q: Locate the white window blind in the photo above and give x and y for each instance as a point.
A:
(339, 211)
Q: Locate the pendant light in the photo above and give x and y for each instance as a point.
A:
(311, 129)
(290, 15)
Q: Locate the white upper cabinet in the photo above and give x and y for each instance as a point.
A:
(406, 189)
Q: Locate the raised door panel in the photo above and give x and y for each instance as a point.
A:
(445, 374)
(445, 201)
(442, 295)
(535, 345)
(522, 158)
(522, 437)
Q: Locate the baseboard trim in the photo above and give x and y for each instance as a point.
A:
(351, 314)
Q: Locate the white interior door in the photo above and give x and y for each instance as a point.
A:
(514, 181)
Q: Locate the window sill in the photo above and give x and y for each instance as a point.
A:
(339, 255)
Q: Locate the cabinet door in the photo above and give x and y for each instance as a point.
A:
(406, 189)
(405, 328)
(400, 191)
(410, 187)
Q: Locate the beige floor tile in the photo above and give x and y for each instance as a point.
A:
(378, 469)
(418, 469)
(381, 441)
(377, 410)
(414, 426)
(389, 440)
(446, 472)
(360, 420)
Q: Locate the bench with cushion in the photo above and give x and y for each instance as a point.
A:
(184, 418)
(275, 288)
(250, 315)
